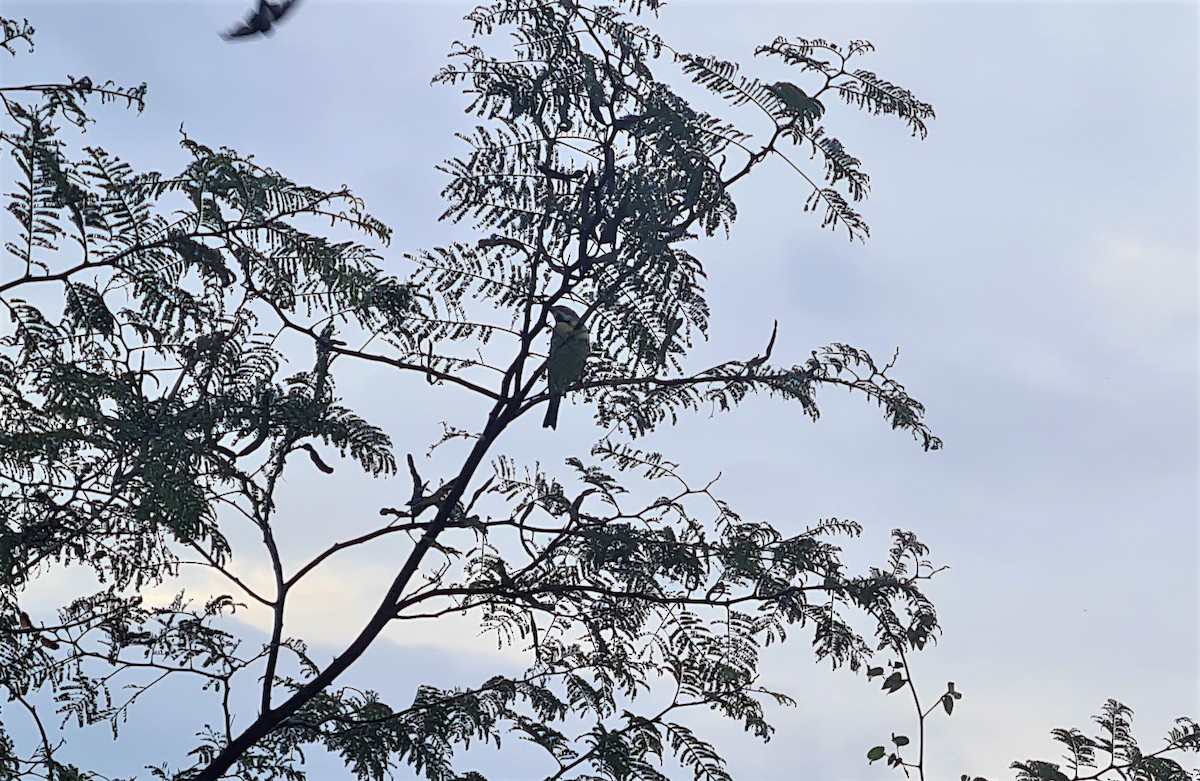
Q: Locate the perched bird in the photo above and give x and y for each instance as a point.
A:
(796, 100)
(569, 348)
(260, 21)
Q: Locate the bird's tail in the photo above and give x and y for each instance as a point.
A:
(551, 419)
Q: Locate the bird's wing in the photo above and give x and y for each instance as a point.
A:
(260, 20)
(256, 22)
(575, 349)
(568, 352)
(558, 338)
(240, 31)
(278, 10)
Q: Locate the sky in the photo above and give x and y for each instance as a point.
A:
(1035, 260)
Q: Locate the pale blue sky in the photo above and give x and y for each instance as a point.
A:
(1035, 259)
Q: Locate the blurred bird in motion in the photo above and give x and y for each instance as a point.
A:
(259, 22)
(570, 345)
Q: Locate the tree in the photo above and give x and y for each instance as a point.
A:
(148, 407)
(1084, 755)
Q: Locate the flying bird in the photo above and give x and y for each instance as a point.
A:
(569, 348)
(260, 21)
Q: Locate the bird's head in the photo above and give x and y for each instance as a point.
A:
(564, 314)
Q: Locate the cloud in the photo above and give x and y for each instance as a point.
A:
(1148, 289)
(331, 605)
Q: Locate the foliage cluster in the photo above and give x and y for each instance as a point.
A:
(148, 407)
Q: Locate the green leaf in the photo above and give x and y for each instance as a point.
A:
(894, 682)
(876, 753)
